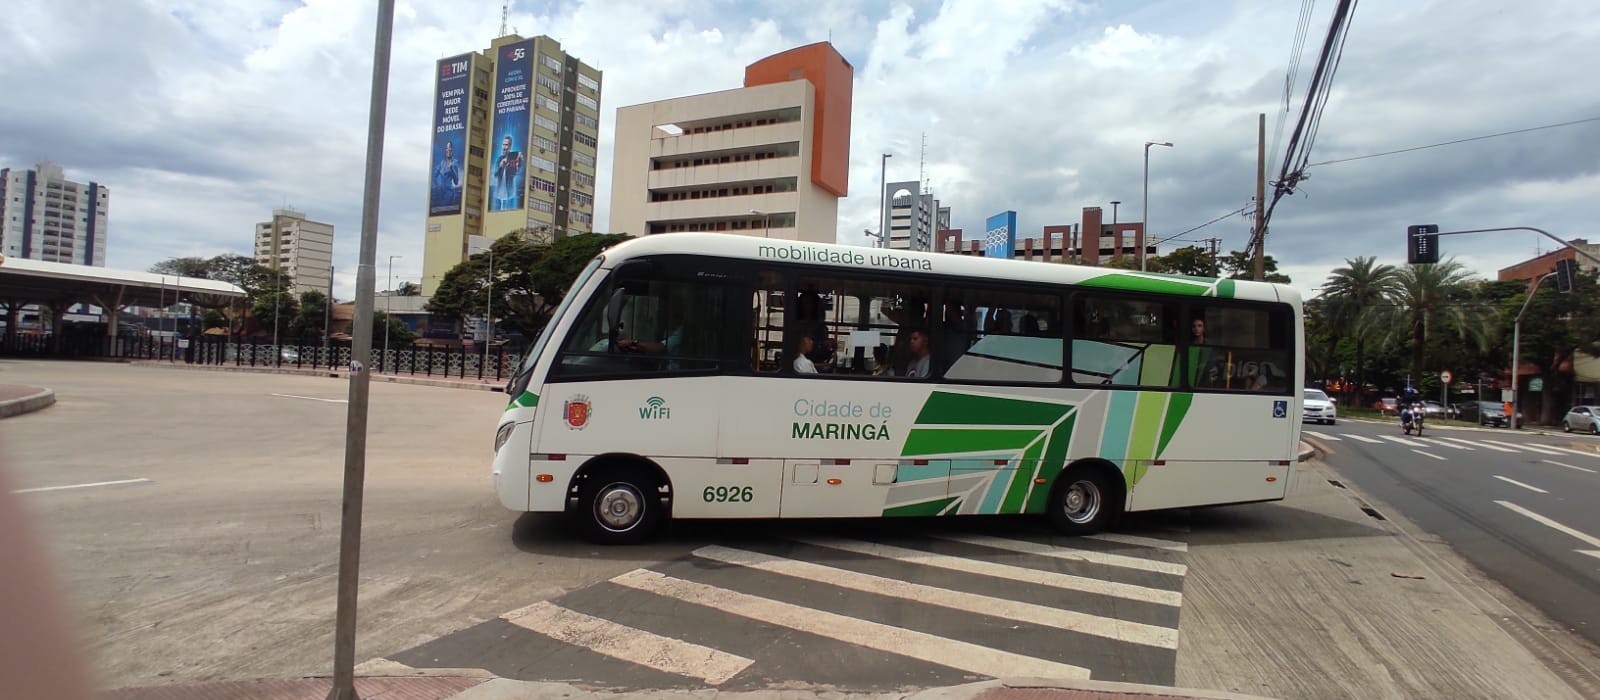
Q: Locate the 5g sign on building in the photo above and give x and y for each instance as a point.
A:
(1000, 235)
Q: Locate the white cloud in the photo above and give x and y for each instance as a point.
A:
(202, 116)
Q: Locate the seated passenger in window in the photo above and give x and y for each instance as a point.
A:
(920, 366)
(802, 363)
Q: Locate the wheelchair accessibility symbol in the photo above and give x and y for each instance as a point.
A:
(1280, 409)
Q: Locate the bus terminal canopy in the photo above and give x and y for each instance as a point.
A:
(60, 285)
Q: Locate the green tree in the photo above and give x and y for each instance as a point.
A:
(1555, 327)
(1357, 296)
(1193, 261)
(1434, 299)
(307, 325)
(1240, 266)
(399, 335)
(186, 267)
(408, 289)
(275, 310)
(529, 279)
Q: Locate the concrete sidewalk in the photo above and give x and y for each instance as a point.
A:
(1330, 594)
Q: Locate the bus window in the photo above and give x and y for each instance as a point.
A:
(1124, 342)
(652, 326)
(859, 327)
(1006, 336)
(767, 309)
(1242, 349)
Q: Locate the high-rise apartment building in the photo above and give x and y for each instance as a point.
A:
(44, 216)
(298, 247)
(914, 216)
(768, 159)
(516, 131)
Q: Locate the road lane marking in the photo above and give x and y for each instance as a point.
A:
(1559, 464)
(1321, 436)
(1534, 489)
(1429, 454)
(629, 644)
(1526, 447)
(1442, 443)
(82, 486)
(1403, 441)
(311, 398)
(1591, 552)
(1004, 571)
(872, 635)
(1569, 451)
(1591, 540)
(1136, 540)
(1364, 438)
(1068, 553)
(1484, 445)
(1070, 620)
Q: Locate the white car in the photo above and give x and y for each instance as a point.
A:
(1319, 408)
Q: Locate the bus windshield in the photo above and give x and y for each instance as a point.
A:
(519, 383)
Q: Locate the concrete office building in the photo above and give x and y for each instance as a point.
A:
(914, 216)
(298, 247)
(1065, 243)
(768, 159)
(1534, 268)
(516, 131)
(44, 216)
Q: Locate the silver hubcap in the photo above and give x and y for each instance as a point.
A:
(619, 507)
(1083, 502)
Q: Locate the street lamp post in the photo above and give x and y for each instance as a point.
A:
(883, 186)
(766, 219)
(1114, 204)
(388, 305)
(1516, 354)
(488, 312)
(327, 320)
(1144, 209)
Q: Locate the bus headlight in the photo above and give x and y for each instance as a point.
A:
(502, 435)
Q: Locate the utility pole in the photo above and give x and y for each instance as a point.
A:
(327, 320)
(1261, 196)
(1516, 353)
(355, 440)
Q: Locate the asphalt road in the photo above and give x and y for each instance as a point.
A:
(194, 516)
(1520, 507)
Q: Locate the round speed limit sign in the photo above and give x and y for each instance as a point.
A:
(1445, 376)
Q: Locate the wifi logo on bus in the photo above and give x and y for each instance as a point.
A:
(655, 408)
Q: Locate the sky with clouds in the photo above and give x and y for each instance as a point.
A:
(203, 115)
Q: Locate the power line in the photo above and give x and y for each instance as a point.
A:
(1452, 143)
(1240, 210)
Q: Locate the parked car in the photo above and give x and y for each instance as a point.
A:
(1318, 407)
(1584, 418)
(1439, 410)
(289, 355)
(1493, 413)
(1389, 406)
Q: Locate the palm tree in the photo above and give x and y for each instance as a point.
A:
(1432, 298)
(1357, 296)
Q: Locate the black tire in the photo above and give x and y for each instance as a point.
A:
(620, 506)
(1083, 501)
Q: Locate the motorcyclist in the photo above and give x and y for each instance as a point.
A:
(1411, 410)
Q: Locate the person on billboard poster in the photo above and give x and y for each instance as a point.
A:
(447, 177)
(507, 176)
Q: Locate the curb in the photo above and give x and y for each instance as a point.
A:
(332, 374)
(1032, 688)
(27, 404)
(1306, 451)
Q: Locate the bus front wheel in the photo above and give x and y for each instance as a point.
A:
(620, 506)
(1083, 501)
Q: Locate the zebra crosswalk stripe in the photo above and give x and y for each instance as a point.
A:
(1364, 439)
(1073, 621)
(1451, 445)
(1484, 444)
(1138, 541)
(1526, 447)
(1003, 571)
(895, 640)
(1322, 436)
(629, 644)
(1068, 553)
(1403, 441)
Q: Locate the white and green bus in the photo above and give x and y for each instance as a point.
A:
(721, 376)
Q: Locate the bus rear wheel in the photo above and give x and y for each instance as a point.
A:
(620, 506)
(1083, 501)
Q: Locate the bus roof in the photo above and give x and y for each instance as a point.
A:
(943, 264)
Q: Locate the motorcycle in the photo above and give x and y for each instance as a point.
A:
(1411, 418)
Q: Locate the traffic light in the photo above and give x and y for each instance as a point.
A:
(1566, 275)
(1422, 244)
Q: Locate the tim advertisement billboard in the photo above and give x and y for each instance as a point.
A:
(1000, 235)
(449, 135)
(513, 89)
